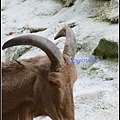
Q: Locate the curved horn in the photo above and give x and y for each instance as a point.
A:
(70, 43)
(46, 45)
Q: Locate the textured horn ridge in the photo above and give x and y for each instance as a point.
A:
(46, 45)
(70, 43)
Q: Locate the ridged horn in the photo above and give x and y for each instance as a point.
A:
(46, 45)
(70, 43)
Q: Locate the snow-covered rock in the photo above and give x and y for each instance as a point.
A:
(107, 49)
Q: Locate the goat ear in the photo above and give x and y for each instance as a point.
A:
(28, 66)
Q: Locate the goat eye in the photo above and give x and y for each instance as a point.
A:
(53, 83)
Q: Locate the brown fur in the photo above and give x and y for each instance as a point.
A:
(27, 93)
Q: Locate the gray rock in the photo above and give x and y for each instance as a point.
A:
(106, 49)
(66, 3)
(104, 10)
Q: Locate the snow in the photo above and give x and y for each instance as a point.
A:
(96, 90)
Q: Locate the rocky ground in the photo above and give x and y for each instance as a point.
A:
(95, 24)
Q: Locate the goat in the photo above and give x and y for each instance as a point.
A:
(42, 85)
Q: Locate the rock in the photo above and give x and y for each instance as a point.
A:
(18, 52)
(104, 10)
(106, 49)
(109, 78)
(67, 3)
